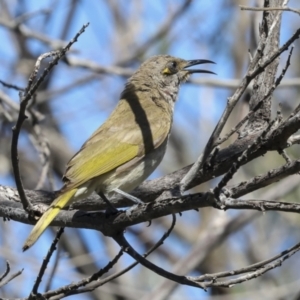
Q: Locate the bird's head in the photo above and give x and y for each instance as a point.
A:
(166, 73)
(167, 69)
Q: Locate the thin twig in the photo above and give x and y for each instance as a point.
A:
(70, 289)
(242, 158)
(12, 86)
(6, 271)
(10, 278)
(287, 64)
(28, 93)
(239, 125)
(45, 263)
(54, 268)
(30, 90)
(249, 268)
(245, 187)
(243, 7)
(261, 269)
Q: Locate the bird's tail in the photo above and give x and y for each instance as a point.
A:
(53, 210)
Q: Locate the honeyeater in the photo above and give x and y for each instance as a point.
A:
(131, 143)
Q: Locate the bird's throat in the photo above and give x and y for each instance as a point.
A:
(170, 94)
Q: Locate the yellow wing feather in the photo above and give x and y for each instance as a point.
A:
(83, 168)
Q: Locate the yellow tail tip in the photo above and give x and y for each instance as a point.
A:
(29, 242)
(25, 247)
(48, 216)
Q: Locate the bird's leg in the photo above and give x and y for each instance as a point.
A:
(128, 196)
(110, 208)
(136, 200)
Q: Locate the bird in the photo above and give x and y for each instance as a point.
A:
(130, 144)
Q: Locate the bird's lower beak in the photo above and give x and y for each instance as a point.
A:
(198, 62)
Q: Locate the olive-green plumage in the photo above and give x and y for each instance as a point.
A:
(131, 143)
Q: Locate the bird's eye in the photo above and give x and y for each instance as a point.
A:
(174, 64)
(171, 68)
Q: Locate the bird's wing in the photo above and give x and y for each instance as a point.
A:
(96, 160)
(100, 155)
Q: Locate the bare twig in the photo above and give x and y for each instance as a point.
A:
(31, 88)
(54, 268)
(72, 289)
(287, 64)
(12, 86)
(264, 180)
(249, 268)
(243, 7)
(239, 125)
(45, 263)
(255, 270)
(3, 281)
(236, 165)
(6, 271)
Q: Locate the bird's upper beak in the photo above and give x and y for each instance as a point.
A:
(198, 62)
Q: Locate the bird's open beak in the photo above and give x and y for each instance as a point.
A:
(198, 62)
